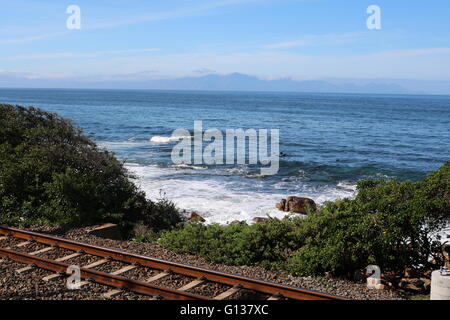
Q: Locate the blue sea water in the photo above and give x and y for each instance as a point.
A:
(331, 141)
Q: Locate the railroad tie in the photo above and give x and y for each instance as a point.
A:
(158, 276)
(228, 293)
(93, 265)
(123, 270)
(55, 276)
(70, 256)
(112, 293)
(52, 277)
(96, 264)
(25, 269)
(115, 292)
(192, 284)
(23, 244)
(41, 251)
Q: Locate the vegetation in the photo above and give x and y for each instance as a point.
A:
(267, 244)
(51, 174)
(389, 223)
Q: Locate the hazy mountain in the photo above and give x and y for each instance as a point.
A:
(230, 82)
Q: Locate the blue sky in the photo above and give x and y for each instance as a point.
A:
(302, 39)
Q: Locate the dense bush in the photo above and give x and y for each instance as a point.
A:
(51, 174)
(267, 244)
(389, 223)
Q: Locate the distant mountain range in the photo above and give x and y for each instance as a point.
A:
(230, 82)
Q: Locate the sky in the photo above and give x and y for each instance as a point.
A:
(299, 39)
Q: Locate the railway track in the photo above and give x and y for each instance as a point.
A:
(14, 243)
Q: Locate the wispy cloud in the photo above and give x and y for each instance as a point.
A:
(174, 14)
(33, 38)
(287, 44)
(317, 40)
(63, 55)
(159, 16)
(416, 52)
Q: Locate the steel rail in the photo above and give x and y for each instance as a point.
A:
(101, 277)
(191, 271)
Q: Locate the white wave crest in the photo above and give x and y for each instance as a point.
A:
(187, 166)
(221, 201)
(166, 140)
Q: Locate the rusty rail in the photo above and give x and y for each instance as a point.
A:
(101, 277)
(120, 282)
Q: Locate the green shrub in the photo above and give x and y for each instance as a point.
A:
(389, 223)
(51, 174)
(267, 244)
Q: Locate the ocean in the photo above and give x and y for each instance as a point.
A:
(330, 140)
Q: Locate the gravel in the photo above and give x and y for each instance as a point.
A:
(31, 286)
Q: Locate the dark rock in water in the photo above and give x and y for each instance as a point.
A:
(296, 205)
(107, 231)
(260, 220)
(236, 222)
(196, 217)
(280, 206)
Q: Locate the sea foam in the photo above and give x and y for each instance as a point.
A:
(167, 140)
(216, 199)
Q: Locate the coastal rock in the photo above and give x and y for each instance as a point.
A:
(281, 205)
(236, 222)
(296, 205)
(196, 217)
(260, 220)
(300, 205)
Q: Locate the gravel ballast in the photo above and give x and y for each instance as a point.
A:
(30, 286)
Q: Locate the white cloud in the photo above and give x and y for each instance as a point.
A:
(79, 55)
(33, 38)
(281, 45)
(318, 40)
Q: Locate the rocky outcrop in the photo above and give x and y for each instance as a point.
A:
(195, 217)
(296, 205)
(260, 220)
(236, 222)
